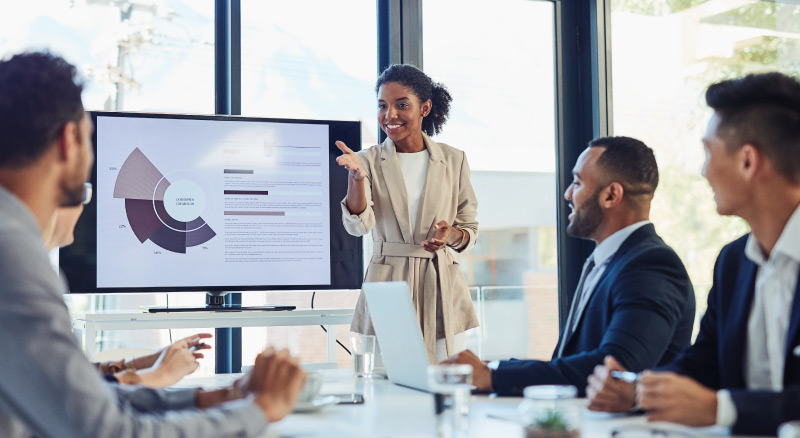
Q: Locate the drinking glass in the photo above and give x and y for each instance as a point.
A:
(362, 347)
(789, 429)
(451, 386)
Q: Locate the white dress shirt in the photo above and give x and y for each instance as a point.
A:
(415, 172)
(602, 254)
(768, 323)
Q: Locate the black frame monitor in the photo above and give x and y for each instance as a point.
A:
(215, 204)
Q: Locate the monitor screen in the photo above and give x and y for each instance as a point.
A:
(214, 203)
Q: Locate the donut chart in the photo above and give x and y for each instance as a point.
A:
(166, 213)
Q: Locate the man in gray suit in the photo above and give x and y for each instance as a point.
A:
(47, 386)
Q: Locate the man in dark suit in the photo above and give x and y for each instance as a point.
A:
(634, 299)
(743, 371)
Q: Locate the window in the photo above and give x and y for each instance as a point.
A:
(319, 65)
(140, 56)
(665, 54)
(497, 60)
(136, 56)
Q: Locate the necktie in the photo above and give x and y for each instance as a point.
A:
(568, 328)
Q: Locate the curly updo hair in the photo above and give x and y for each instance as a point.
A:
(424, 88)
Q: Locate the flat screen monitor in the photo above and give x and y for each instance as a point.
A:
(214, 203)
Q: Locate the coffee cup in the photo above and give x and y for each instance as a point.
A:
(311, 388)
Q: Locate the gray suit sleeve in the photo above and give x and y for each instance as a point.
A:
(50, 387)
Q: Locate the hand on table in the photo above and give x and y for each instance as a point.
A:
(276, 381)
(678, 399)
(481, 375)
(608, 394)
(350, 161)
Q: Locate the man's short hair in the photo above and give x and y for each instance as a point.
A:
(762, 110)
(629, 162)
(39, 94)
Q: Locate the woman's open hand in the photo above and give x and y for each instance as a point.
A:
(350, 161)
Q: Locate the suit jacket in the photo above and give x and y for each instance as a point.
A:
(641, 312)
(438, 288)
(717, 357)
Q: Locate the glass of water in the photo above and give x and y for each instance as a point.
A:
(362, 348)
(790, 429)
(451, 386)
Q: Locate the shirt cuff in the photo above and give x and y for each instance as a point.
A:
(726, 410)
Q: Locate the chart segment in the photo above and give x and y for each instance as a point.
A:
(167, 214)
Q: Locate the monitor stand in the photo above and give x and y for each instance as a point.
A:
(215, 302)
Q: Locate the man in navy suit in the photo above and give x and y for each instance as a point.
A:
(743, 371)
(632, 280)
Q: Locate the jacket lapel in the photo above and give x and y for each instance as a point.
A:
(611, 268)
(396, 186)
(432, 192)
(735, 331)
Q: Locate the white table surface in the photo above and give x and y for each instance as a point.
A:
(394, 411)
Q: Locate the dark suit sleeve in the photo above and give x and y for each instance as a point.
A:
(700, 361)
(761, 412)
(647, 300)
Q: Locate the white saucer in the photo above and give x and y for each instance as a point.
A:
(316, 404)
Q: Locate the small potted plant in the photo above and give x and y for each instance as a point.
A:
(551, 424)
(550, 411)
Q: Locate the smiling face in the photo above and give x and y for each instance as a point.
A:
(583, 196)
(400, 112)
(721, 170)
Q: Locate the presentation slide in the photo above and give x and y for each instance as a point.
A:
(185, 202)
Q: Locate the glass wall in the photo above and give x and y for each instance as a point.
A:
(664, 55)
(501, 75)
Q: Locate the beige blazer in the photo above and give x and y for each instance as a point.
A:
(438, 288)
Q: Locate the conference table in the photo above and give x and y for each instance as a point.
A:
(390, 410)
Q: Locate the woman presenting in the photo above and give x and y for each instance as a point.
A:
(416, 197)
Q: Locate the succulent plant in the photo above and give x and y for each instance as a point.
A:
(552, 420)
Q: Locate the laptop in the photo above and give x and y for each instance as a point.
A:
(398, 332)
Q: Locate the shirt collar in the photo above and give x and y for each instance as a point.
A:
(786, 244)
(611, 244)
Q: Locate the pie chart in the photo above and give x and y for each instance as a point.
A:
(165, 209)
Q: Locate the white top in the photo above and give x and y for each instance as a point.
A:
(768, 323)
(415, 171)
(602, 255)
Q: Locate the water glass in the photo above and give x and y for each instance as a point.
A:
(362, 347)
(451, 386)
(789, 429)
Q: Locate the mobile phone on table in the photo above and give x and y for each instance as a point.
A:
(350, 399)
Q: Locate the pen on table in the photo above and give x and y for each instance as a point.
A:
(625, 376)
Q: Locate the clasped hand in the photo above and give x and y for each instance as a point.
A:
(440, 239)
(664, 396)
